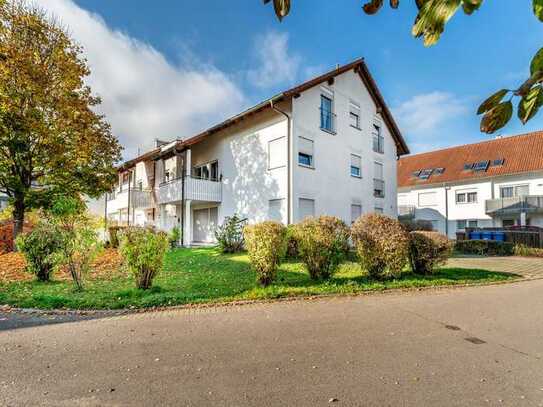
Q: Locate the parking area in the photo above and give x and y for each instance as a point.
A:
(527, 267)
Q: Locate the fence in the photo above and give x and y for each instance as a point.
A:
(530, 236)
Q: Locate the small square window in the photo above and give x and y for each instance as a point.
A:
(355, 120)
(356, 166)
(305, 159)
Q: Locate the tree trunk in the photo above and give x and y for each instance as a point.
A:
(18, 217)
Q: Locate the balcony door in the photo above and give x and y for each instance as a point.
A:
(204, 224)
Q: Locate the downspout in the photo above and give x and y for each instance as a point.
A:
(183, 174)
(446, 210)
(289, 175)
(129, 183)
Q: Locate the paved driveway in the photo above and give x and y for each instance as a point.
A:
(478, 346)
(527, 267)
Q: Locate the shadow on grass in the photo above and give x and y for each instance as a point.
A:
(205, 275)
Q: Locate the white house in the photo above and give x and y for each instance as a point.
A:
(489, 184)
(328, 146)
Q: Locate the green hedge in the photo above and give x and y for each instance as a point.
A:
(485, 247)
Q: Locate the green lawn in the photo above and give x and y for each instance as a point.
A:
(205, 275)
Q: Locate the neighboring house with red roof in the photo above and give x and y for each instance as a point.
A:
(492, 183)
(328, 146)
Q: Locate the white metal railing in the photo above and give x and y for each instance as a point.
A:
(514, 205)
(137, 198)
(196, 189)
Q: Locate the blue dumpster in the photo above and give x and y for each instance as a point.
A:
(499, 236)
(486, 235)
(475, 236)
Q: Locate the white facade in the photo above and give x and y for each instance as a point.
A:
(488, 202)
(243, 168)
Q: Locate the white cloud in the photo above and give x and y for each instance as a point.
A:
(425, 113)
(276, 63)
(143, 94)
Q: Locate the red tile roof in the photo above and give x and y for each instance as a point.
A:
(522, 153)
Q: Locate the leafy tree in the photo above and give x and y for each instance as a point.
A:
(430, 23)
(51, 140)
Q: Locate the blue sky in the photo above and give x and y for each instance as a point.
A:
(149, 57)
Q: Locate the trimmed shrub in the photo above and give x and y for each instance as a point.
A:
(175, 237)
(143, 251)
(417, 225)
(382, 245)
(39, 247)
(427, 250)
(323, 244)
(292, 243)
(79, 239)
(230, 234)
(485, 247)
(522, 250)
(266, 244)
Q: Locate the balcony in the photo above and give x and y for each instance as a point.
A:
(514, 205)
(406, 212)
(137, 198)
(378, 188)
(196, 189)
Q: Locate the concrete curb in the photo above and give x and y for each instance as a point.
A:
(240, 303)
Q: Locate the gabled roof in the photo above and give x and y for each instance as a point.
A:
(520, 154)
(359, 66)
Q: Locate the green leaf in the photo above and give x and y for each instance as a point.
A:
(537, 62)
(492, 101)
(538, 9)
(530, 104)
(470, 6)
(497, 118)
(432, 17)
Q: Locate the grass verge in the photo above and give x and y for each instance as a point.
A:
(206, 276)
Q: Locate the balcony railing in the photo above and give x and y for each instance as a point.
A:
(137, 198)
(328, 121)
(406, 211)
(514, 205)
(196, 189)
(378, 188)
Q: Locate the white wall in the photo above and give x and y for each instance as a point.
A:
(242, 152)
(330, 183)
(488, 188)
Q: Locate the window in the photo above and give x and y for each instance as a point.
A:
(462, 224)
(427, 199)
(378, 209)
(481, 166)
(275, 209)
(276, 153)
(378, 182)
(208, 171)
(307, 208)
(305, 152)
(466, 197)
(356, 212)
(354, 115)
(378, 140)
(139, 186)
(327, 114)
(425, 174)
(514, 191)
(356, 164)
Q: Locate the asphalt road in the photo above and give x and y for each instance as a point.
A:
(478, 346)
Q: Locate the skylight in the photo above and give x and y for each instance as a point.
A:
(439, 171)
(498, 162)
(481, 165)
(425, 174)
